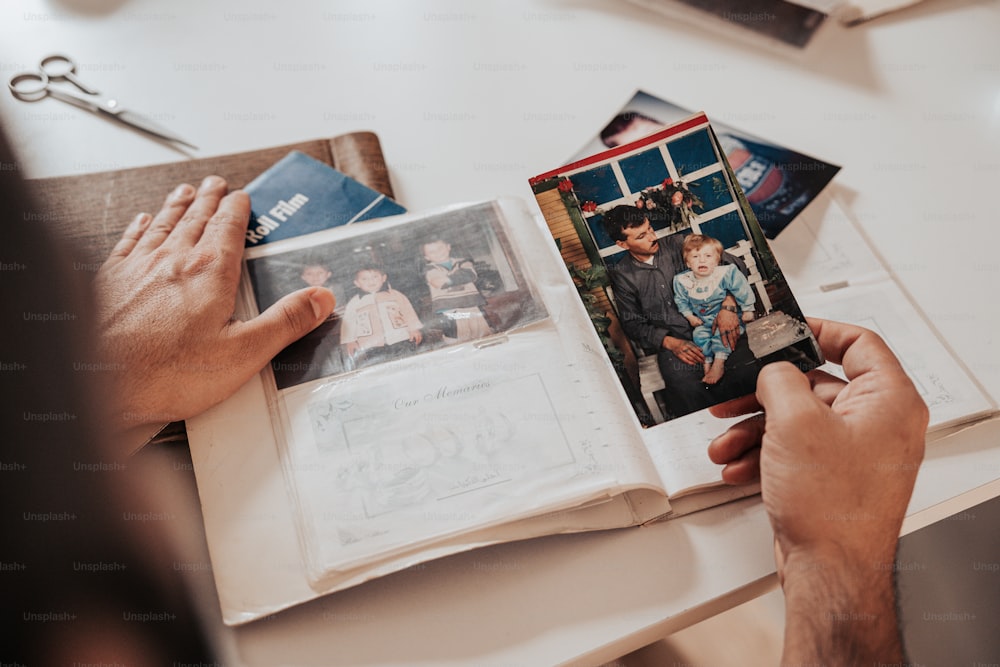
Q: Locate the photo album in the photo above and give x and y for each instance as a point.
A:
(490, 374)
(461, 394)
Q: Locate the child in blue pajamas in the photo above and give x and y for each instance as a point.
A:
(699, 293)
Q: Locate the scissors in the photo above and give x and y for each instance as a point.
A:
(34, 86)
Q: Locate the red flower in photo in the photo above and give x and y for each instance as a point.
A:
(589, 207)
(565, 185)
(667, 181)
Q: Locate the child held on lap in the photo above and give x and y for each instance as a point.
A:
(699, 293)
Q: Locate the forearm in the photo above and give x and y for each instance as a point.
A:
(643, 333)
(841, 614)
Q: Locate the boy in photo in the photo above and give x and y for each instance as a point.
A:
(699, 292)
(315, 274)
(454, 295)
(379, 322)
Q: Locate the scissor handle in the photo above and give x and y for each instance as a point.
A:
(29, 86)
(58, 67)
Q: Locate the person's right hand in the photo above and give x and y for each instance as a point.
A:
(837, 462)
(685, 350)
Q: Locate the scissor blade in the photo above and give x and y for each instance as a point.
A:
(148, 125)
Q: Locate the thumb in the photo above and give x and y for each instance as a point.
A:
(782, 389)
(292, 317)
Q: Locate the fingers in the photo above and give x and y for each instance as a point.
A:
(130, 237)
(730, 338)
(739, 449)
(190, 227)
(859, 351)
(183, 215)
(690, 354)
(744, 470)
(737, 441)
(283, 323)
(789, 393)
(727, 325)
(782, 389)
(834, 338)
(173, 208)
(743, 405)
(826, 387)
(226, 229)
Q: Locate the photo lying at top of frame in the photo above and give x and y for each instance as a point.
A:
(443, 280)
(778, 182)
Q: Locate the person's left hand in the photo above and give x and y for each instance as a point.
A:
(166, 298)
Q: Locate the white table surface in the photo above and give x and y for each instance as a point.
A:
(470, 99)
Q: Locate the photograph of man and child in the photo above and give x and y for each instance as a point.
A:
(669, 293)
(409, 289)
(691, 282)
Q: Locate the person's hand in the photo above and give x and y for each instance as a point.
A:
(166, 298)
(684, 350)
(727, 324)
(416, 336)
(837, 462)
(694, 320)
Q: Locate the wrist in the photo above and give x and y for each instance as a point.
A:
(842, 607)
(731, 309)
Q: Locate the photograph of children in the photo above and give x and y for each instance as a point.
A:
(778, 182)
(402, 289)
(698, 296)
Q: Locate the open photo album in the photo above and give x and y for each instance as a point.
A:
(490, 374)
(461, 395)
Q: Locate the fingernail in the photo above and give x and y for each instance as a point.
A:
(140, 221)
(209, 182)
(182, 191)
(317, 307)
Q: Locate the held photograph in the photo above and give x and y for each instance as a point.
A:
(674, 267)
(402, 289)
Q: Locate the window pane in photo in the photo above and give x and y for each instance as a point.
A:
(597, 185)
(727, 228)
(712, 192)
(692, 152)
(601, 237)
(644, 170)
(611, 260)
